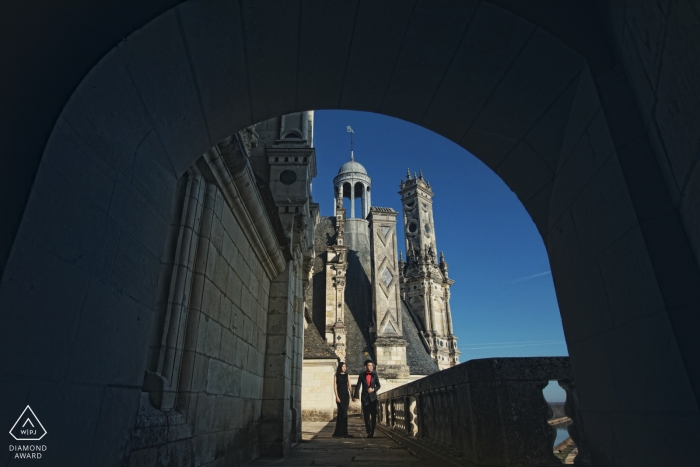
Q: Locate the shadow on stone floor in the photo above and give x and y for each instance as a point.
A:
(319, 448)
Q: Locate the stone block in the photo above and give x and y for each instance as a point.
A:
(438, 33)
(181, 124)
(212, 343)
(234, 287)
(572, 178)
(221, 272)
(211, 299)
(111, 339)
(143, 457)
(538, 208)
(115, 424)
(600, 139)
(594, 375)
(217, 230)
(136, 271)
(647, 367)
(219, 377)
(113, 136)
(645, 182)
(206, 407)
(629, 279)
(277, 344)
(212, 258)
(547, 134)
(678, 100)
(642, 84)
(154, 175)
(583, 301)
(603, 212)
(525, 172)
(139, 215)
(228, 249)
(670, 253)
(563, 249)
(69, 412)
(665, 431)
(241, 353)
(85, 169)
(200, 372)
(179, 432)
(144, 437)
(237, 381)
(225, 312)
(65, 223)
(228, 346)
(50, 292)
(620, 106)
(539, 74)
(180, 452)
(479, 64)
(246, 301)
(221, 86)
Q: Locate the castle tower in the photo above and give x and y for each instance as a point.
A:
(425, 285)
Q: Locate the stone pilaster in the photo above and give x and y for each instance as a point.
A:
(336, 270)
(389, 345)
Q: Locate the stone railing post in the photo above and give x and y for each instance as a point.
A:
(412, 416)
(576, 429)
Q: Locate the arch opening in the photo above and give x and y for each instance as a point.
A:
(533, 109)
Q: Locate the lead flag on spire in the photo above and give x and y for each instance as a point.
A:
(352, 152)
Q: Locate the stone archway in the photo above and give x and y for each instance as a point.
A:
(551, 112)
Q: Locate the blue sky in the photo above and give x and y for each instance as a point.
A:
(503, 300)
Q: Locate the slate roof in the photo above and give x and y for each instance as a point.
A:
(358, 306)
(417, 356)
(315, 346)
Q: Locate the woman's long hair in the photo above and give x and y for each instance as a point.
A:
(340, 368)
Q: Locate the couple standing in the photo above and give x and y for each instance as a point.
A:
(369, 382)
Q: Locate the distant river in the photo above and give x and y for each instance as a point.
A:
(562, 434)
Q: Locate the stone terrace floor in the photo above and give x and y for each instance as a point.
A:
(319, 448)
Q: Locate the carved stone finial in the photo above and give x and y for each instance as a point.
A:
(420, 171)
(408, 174)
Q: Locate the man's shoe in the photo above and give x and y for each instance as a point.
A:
(370, 435)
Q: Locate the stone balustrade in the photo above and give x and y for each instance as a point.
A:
(488, 412)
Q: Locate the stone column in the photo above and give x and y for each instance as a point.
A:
(352, 200)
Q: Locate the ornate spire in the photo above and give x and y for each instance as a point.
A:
(408, 174)
(420, 171)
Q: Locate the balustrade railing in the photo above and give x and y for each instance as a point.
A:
(484, 412)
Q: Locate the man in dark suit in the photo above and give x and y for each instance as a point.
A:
(369, 382)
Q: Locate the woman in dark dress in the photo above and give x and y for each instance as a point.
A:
(341, 385)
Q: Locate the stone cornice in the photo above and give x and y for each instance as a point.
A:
(238, 185)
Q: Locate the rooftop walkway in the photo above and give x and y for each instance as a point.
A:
(319, 448)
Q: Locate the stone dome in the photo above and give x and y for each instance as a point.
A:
(352, 167)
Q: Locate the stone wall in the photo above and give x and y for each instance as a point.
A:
(318, 404)
(220, 392)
